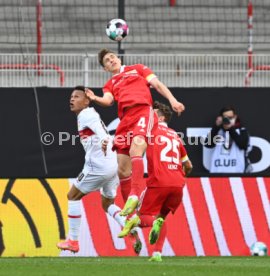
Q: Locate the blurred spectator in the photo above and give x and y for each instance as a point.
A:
(230, 143)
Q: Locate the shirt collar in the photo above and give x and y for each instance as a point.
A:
(122, 68)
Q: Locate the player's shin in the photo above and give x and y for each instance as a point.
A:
(146, 220)
(74, 218)
(114, 211)
(137, 179)
(125, 186)
(161, 239)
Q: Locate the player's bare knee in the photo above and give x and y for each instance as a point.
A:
(124, 169)
(74, 194)
(124, 165)
(70, 196)
(138, 146)
(106, 202)
(123, 172)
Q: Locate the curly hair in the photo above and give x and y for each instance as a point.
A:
(163, 110)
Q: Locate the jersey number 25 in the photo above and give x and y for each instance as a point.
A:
(171, 145)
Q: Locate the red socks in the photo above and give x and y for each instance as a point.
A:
(147, 221)
(137, 179)
(125, 186)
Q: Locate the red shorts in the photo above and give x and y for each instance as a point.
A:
(160, 200)
(138, 120)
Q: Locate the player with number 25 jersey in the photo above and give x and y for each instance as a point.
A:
(165, 157)
(168, 164)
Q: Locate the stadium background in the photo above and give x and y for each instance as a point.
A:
(191, 44)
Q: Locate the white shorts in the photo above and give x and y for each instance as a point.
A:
(106, 184)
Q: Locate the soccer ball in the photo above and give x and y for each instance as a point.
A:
(117, 29)
(258, 249)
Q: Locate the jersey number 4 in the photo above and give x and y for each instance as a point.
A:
(171, 145)
(141, 122)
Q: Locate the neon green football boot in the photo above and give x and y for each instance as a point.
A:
(137, 245)
(156, 257)
(155, 231)
(131, 223)
(130, 206)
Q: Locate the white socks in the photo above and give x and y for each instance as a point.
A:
(114, 211)
(74, 218)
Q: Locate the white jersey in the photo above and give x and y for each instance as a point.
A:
(92, 132)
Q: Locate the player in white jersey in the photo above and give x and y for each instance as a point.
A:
(99, 171)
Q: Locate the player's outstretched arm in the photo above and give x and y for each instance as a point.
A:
(106, 100)
(166, 93)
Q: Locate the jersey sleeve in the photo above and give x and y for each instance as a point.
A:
(145, 72)
(107, 88)
(183, 153)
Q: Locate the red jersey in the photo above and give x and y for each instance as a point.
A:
(164, 158)
(131, 86)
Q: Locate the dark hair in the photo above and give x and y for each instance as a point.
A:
(102, 53)
(163, 110)
(225, 109)
(79, 87)
(82, 89)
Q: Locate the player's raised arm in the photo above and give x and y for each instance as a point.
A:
(166, 93)
(106, 100)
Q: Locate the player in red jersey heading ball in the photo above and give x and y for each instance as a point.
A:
(130, 88)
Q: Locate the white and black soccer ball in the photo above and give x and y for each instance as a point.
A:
(117, 29)
(258, 249)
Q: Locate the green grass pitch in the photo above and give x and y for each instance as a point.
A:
(139, 266)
